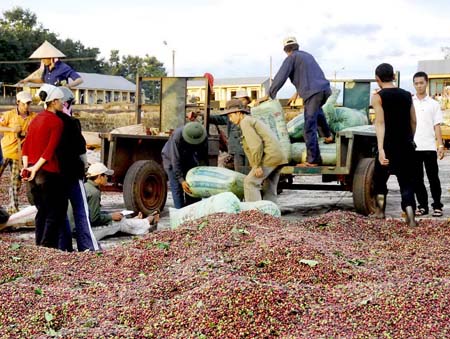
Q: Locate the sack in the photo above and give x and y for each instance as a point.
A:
(265, 206)
(272, 114)
(297, 150)
(295, 127)
(223, 140)
(224, 202)
(327, 153)
(206, 181)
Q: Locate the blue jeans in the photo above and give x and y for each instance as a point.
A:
(314, 116)
(180, 199)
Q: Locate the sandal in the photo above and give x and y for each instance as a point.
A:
(421, 211)
(307, 164)
(437, 212)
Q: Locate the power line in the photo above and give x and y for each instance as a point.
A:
(37, 61)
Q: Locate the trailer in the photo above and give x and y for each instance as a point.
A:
(137, 164)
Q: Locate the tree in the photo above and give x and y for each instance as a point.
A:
(21, 34)
(130, 65)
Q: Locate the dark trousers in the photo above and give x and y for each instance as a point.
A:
(315, 117)
(429, 159)
(404, 169)
(180, 199)
(50, 198)
(241, 164)
(83, 230)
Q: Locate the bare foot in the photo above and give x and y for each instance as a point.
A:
(139, 216)
(153, 219)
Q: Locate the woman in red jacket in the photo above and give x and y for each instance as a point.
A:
(41, 168)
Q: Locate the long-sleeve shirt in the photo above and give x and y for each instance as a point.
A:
(71, 146)
(233, 131)
(44, 134)
(93, 195)
(305, 74)
(180, 156)
(261, 146)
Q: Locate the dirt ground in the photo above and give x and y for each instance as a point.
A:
(294, 204)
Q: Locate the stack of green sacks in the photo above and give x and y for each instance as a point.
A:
(272, 114)
(225, 202)
(338, 118)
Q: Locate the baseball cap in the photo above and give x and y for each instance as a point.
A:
(24, 97)
(51, 93)
(97, 169)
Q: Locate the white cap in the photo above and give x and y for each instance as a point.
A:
(24, 97)
(47, 50)
(53, 93)
(289, 41)
(97, 169)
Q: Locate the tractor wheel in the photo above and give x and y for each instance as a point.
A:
(363, 197)
(145, 187)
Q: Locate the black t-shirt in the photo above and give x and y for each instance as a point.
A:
(71, 146)
(398, 136)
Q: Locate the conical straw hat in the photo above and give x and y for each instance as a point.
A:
(47, 50)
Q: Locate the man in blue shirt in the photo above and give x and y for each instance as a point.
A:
(186, 148)
(312, 86)
(53, 71)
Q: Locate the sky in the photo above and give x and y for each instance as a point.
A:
(237, 38)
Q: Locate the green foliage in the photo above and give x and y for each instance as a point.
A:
(21, 34)
(130, 65)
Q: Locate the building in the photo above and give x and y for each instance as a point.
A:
(438, 73)
(226, 88)
(98, 89)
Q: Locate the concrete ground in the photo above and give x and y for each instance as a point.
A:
(293, 204)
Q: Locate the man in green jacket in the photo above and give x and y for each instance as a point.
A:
(262, 149)
(114, 222)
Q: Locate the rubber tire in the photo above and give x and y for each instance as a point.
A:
(363, 197)
(145, 187)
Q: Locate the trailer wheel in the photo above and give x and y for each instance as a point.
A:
(145, 187)
(363, 197)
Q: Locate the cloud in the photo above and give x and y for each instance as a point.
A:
(353, 29)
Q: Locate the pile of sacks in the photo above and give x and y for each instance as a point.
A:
(338, 118)
(225, 202)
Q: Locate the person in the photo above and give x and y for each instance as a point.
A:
(262, 149)
(428, 133)
(186, 148)
(234, 133)
(71, 153)
(14, 126)
(41, 169)
(309, 80)
(52, 71)
(395, 125)
(97, 175)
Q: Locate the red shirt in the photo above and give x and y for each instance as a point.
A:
(42, 139)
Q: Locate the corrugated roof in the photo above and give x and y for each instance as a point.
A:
(106, 82)
(434, 66)
(232, 81)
